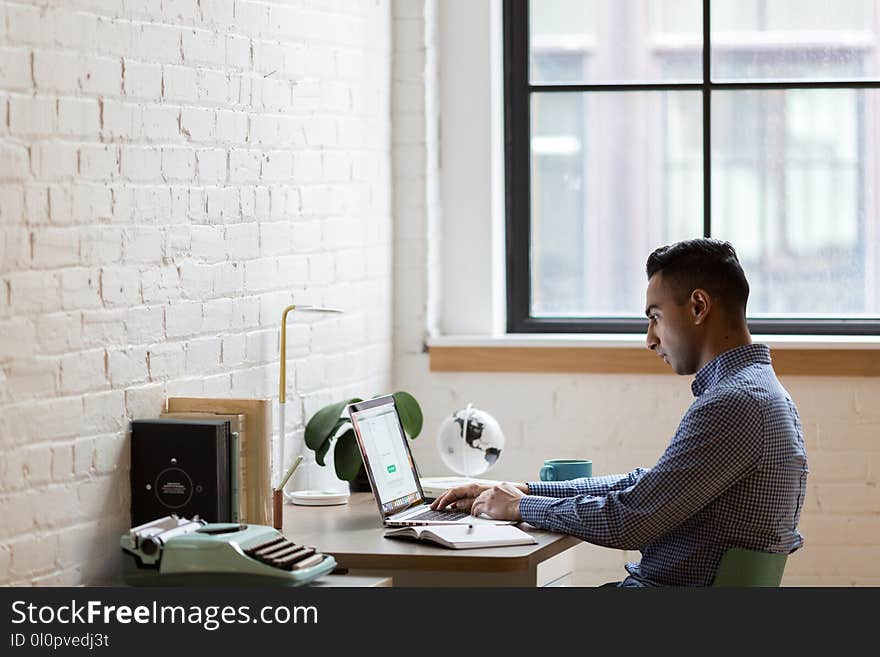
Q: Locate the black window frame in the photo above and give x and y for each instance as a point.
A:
(517, 195)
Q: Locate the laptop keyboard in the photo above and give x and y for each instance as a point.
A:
(439, 515)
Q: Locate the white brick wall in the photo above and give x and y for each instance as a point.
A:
(621, 422)
(171, 175)
(416, 163)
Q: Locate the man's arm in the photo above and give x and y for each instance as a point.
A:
(715, 446)
(586, 485)
(462, 497)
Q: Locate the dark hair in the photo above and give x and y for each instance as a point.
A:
(702, 263)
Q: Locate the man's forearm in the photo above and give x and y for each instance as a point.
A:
(583, 517)
(586, 485)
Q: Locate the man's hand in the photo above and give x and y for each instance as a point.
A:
(501, 499)
(500, 502)
(460, 497)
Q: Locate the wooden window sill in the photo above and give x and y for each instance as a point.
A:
(833, 359)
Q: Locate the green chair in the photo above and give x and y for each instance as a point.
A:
(741, 567)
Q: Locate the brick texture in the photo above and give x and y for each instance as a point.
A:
(168, 173)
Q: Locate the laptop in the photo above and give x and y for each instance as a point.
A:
(392, 471)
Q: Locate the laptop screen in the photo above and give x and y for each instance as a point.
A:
(386, 454)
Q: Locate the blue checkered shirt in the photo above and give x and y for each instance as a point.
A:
(734, 475)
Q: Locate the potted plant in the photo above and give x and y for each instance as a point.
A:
(329, 425)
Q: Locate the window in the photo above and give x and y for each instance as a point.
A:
(635, 123)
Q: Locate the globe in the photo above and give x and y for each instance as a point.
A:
(470, 441)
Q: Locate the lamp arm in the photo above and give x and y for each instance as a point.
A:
(282, 395)
(282, 379)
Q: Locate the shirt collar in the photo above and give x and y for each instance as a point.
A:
(728, 362)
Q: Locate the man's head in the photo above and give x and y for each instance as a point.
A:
(695, 302)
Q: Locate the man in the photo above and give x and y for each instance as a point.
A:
(734, 474)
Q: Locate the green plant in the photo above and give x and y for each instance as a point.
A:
(329, 424)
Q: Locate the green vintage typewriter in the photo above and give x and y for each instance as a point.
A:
(173, 551)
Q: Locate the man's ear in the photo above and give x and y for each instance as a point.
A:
(701, 304)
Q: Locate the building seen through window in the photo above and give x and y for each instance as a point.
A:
(617, 171)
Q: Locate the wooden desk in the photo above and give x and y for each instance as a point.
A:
(353, 534)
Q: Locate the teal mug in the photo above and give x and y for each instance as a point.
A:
(563, 469)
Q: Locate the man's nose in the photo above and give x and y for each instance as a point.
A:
(651, 340)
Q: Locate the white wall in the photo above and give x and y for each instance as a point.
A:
(471, 168)
(415, 158)
(172, 174)
(621, 422)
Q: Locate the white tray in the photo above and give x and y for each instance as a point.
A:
(318, 497)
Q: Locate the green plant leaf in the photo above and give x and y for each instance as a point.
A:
(321, 426)
(341, 422)
(410, 413)
(321, 452)
(347, 456)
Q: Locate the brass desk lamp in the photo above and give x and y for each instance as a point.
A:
(280, 464)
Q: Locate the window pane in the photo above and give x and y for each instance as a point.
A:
(794, 39)
(575, 41)
(794, 175)
(614, 175)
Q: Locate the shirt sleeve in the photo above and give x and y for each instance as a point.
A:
(717, 444)
(586, 485)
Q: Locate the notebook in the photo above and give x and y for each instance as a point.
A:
(392, 472)
(462, 537)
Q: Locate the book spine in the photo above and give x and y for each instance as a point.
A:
(234, 476)
(223, 474)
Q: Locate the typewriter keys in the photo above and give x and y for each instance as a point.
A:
(281, 553)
